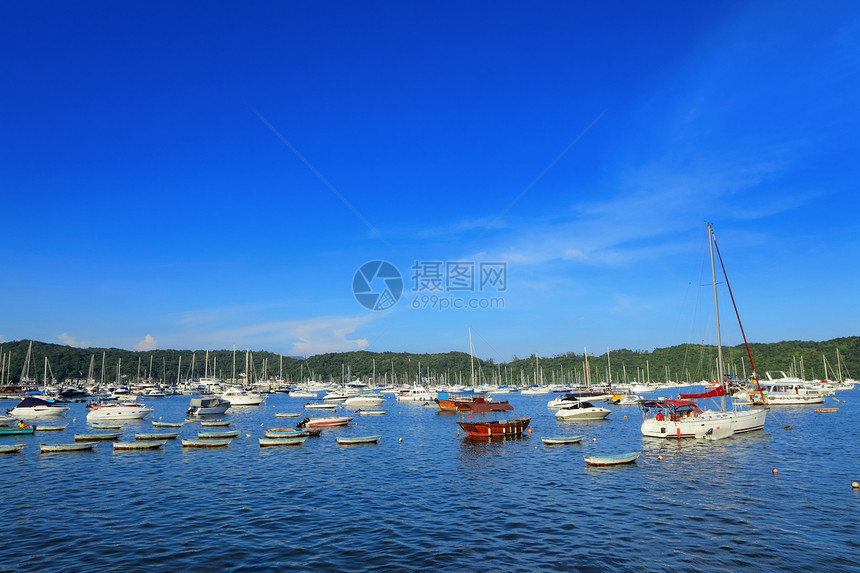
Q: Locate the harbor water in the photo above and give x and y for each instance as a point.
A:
(425, 498)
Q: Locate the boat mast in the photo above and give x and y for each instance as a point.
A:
(717, 320)
(471, 358)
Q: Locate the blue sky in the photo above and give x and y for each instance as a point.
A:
(199, 175)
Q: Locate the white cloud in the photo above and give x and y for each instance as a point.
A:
(148, 343)
(72, 341)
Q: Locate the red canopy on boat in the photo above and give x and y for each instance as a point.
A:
(718, 391)
(674, 404)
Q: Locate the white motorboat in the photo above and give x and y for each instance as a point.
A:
(787, 390)
(118, 412)
(569, 398)
(207, 406)
(7, 420)
(364, 400)
(302, 394)
(241, 397)
(31, 407)
(579, 410)
(415, 394)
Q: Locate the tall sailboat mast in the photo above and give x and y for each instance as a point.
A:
(717, 318)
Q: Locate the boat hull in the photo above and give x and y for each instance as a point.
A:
(59, 448)
(495, 429)
(205, 443)
(294, 441)
(562, 440)
(358, 440)
(739, 422)
(614, 460)
(137, 445)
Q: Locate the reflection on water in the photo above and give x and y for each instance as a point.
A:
(425, 498)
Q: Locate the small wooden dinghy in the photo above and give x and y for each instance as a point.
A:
(205, 443)
(613, 460)
(358, 440)
(14, 449)
(372, 412)
(156, 436)
(215, 423)
(294, 441)
(50, 428)
(158, 424)
(138, 445)
(562, 440)
(76, 447)
(284, 433)
(14, 430)
(825, 410)
(287, 415)
(92, 437)
(105, 426)
(217, 435)
(321, 406)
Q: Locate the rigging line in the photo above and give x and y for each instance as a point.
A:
(320, 177)
(737, 314)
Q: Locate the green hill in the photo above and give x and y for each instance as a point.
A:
(682, 362)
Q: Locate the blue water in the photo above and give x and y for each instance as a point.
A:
(436, 501)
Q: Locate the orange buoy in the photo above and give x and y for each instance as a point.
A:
(530, 430)
(855, 485)
(660, 458)
(775, 471)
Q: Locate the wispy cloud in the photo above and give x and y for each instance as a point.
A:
(148, 343)
(72, 341)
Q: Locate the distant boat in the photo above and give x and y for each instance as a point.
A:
(207, 406)
(302, 394)
(76, 447)
(105, 426)
(217, 435)
(241, 397)
(562, 440)
(495, 429)
(578, 410)
(215, 423)
(137, 445)
(205, 443)
(349, 441)
(612, 460)
(118, 412)
(31, 407)
(91, 437)
(287, 415)
(7, 420)
(371, 412)
(15, 430)
(469, 402)
(284, 433)
(13, 449)
(364, 400)
(50, 428)
(324, 422)
(157, 436)
(158, 424)
(320, 406)
(293, 441)
(825, 410)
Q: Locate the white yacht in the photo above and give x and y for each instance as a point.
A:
(579, 410)
(241, 397)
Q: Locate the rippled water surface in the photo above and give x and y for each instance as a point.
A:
(437, 501)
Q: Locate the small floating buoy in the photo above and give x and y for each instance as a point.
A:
(530, 430)
(775, 471)
(593, 439)
(660, 458)
(855, 485)
(74, 419)
(470, 416)
(401, 440)
(535, 447)
(625, 417)
(247, 435)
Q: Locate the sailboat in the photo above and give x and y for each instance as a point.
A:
(683, 418)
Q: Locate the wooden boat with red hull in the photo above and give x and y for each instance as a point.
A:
(470, 402)
(495, 428)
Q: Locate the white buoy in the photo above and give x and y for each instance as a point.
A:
(401, 440)
(855, 485)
